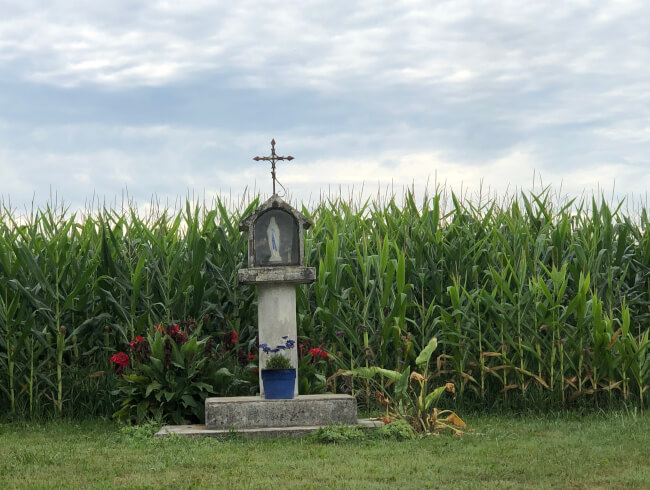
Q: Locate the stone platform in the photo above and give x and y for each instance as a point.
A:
(253, 412)
(258, 433)
(256, 417)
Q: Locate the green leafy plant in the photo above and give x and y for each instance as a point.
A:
(399, 430)
(312, 366)
(412, 398)
(168, 377)
(144, 431)
(339, 433)
(278, 361)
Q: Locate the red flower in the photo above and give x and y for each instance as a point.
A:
(251, 357)
(230, 339)
(318, 353)
(179, 337)
(121, 360)
(140, 349)
(167, 349)
(174, 332)
(136, 340)
(209, 348)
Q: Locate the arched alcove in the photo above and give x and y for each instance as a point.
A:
(276, 239)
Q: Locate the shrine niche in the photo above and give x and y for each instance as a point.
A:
(275, 244)
(275, 239)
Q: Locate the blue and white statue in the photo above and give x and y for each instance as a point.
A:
(273, 236)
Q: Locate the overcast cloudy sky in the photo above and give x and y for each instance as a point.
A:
(172, 97)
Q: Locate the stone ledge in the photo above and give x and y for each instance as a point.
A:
(251, 412)
(266, 275)
(258, 433)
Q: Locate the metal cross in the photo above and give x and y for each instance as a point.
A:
(273, 158)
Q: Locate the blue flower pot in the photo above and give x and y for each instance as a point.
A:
(278, 383)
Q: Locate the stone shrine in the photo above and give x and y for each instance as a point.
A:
(276, 259)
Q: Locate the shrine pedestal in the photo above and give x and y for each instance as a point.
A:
(257, 433)
(276, 306)
(254, 417)
(276, 313)
(252, 412)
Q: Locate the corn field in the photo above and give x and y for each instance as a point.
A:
(530, 298)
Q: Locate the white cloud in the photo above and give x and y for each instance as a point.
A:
(473, 92)
(320, 44)
(168, 165)
(637, 131)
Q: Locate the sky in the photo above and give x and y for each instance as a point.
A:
(174, 98)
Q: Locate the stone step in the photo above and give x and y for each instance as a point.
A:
(252, 412)
(257, 433)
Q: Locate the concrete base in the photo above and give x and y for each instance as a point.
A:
(253, 412)
(258, 433)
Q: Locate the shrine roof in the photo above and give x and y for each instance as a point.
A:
(274, 202)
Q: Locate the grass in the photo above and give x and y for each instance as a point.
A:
(566, 451)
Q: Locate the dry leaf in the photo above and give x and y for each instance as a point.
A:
(574, 396)
(614, 338)
(382, 399)
(612, 386)
(491, 354)
(335, 375)
(456, 420)
(417, 376)
(467, 377)
(508, 388)
(540, 380)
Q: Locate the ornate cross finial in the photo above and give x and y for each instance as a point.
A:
(273, 158)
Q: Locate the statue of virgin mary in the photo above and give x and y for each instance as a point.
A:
(273, 236)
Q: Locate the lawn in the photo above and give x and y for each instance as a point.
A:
(558, 451)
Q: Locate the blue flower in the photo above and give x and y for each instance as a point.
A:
(289, 344)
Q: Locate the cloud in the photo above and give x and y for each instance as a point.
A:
(319, 44)
(164, 96)
(168, 162)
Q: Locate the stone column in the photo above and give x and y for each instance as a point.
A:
(276, 312)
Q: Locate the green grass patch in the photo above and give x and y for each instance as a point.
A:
(590, 451)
